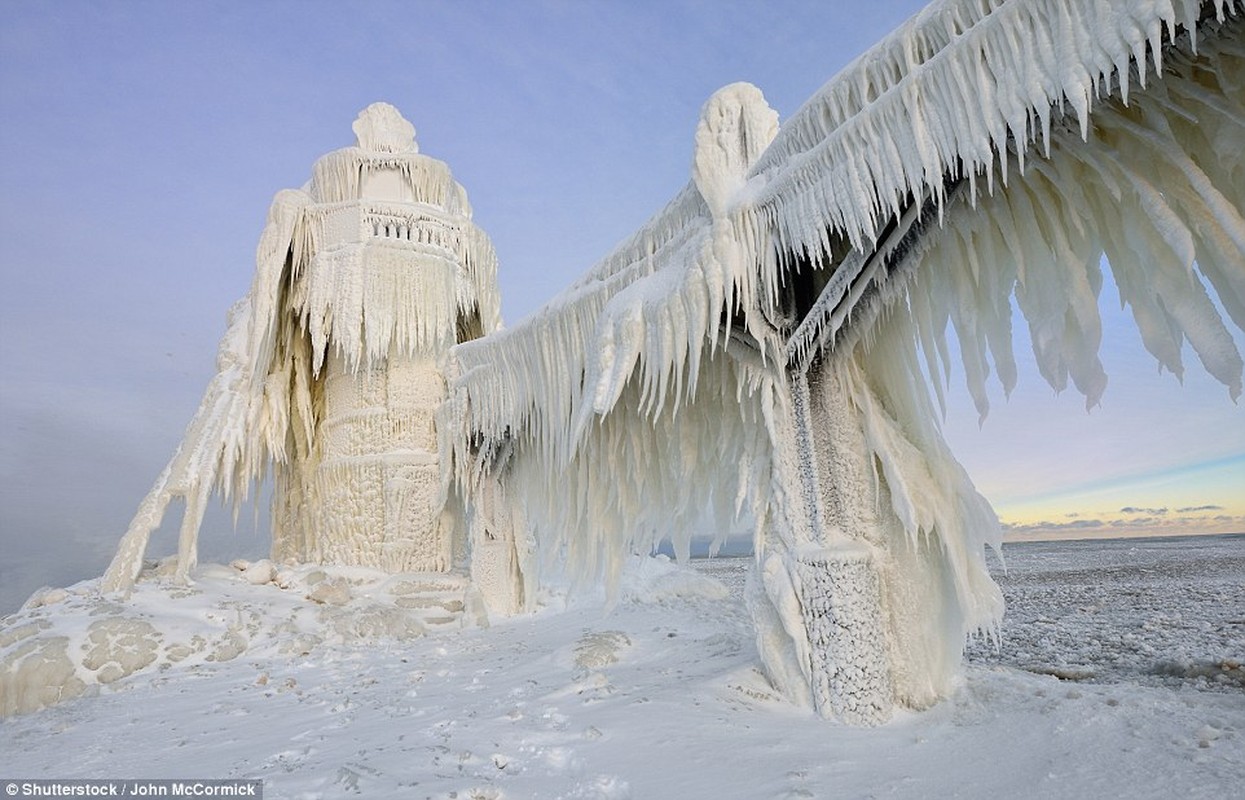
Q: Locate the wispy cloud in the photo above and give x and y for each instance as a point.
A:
(1054, 527)
(1137, 522)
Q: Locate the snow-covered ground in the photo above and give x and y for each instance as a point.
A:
(1118, 676)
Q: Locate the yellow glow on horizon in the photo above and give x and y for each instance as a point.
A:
(1206, 498)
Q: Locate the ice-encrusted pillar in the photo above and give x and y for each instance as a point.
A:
(869, 588)
(814, 598)
(841, 609)
(839, 573)
(495, 528)
(822, 599)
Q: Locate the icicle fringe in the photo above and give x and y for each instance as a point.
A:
(1034, 135)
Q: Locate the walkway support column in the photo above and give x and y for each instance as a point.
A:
(822, 591)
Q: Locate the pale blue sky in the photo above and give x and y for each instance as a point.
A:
(142, 142)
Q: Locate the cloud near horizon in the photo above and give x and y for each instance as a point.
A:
(1163, 523)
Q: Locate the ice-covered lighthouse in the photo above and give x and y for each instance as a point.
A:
(332, 367)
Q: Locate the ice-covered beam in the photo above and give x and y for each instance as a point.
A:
(842, 263)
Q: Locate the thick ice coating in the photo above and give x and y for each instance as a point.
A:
(761, 352)
(330, 371)
(765, 345)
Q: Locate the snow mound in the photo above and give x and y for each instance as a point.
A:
(659, 579)
(64, 643)
(597, 650)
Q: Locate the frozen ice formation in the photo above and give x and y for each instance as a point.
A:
(330, 371)
(771, 348)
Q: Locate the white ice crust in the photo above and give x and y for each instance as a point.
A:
(1028, 143)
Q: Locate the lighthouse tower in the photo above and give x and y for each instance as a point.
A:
(390, 243)
(331, 371)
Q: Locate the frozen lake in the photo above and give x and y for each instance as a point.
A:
(1166, 611)
(1159, 611)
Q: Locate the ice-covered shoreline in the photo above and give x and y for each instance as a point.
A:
(1156, 611)
(1153, 610)
(661, 697)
